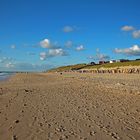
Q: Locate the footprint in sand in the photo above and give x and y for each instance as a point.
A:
(114, 135)
(14, 137)
(92, 133)
(17, 121)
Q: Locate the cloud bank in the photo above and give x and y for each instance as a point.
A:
(52, 53)
(135, 32)
(23, 66)
(100, 57)
(132, 51)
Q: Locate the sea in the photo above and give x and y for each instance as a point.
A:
(5, 75)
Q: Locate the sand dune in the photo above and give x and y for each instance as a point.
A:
(70, 106)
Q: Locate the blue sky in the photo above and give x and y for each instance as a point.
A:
(42, 34)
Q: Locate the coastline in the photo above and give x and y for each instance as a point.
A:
(72, 106)
(5, 76)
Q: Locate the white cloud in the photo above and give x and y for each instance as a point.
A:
(45, 43)
(23, 66)
(13, 46)
(53, 49)
(43, 56)
(127, 28)
(132, 51)
(68, 29)
(9, 65)
(136, 34)
(57, 52)
(6, 59)
(69, 44)
(80, 48)
(100, 56)
(52, 53)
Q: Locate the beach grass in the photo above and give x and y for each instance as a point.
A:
(88, 66)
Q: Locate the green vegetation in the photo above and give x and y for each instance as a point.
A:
(69, 67)
(85, 66)
(117, 64)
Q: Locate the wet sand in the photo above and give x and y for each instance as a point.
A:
(70, 106)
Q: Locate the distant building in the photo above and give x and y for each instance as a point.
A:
(124, 60)
(112, 61)
(117, 60)
(92, 63)
(101, 62)
(106, 62)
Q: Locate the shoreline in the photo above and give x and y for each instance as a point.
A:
(6, 77)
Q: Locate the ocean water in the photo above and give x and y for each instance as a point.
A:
(5, 75)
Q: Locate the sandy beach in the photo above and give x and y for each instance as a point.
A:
(73, 106)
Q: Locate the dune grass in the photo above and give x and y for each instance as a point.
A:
(69, 67)
(85, 66)
(117, 64)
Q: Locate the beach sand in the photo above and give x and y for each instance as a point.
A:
(70, 106)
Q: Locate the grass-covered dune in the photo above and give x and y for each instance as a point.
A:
(87, 66)
(69, 67)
